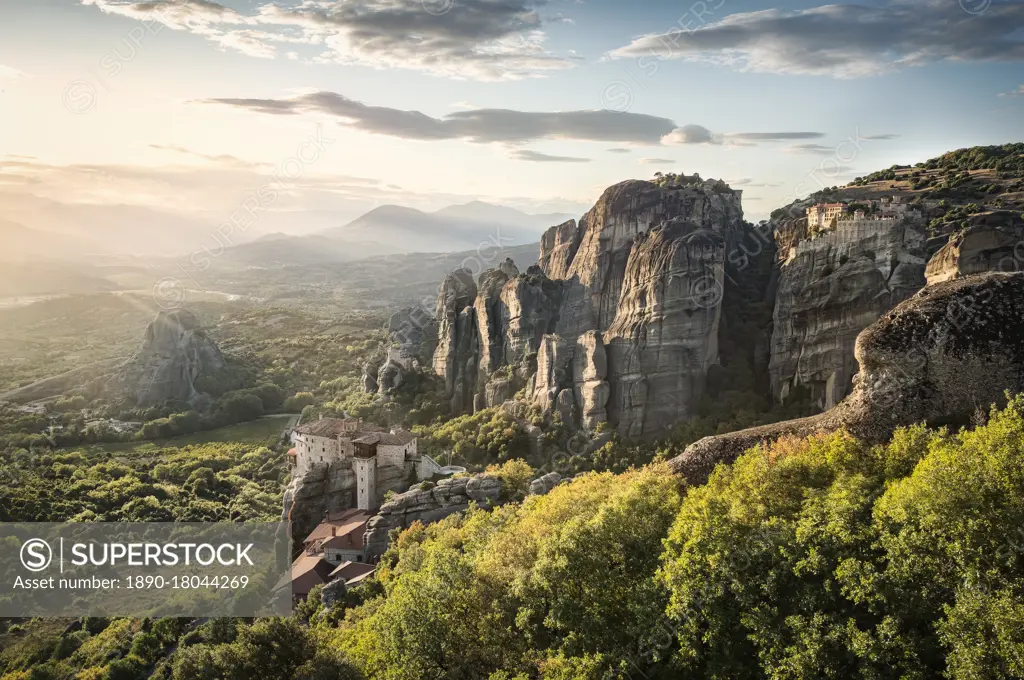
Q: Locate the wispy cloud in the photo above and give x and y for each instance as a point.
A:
(846, 40)
(480, 39)
(537, 157)
(747, 182)
(620, 150)
(698, 134)
(476, 125)
(1019, 92)
(504, 125)
(10, 73)
(773, 136)
(656, 161)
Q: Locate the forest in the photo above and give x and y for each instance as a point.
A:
(817, 557)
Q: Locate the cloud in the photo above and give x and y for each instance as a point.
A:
(537, 157)
(218, 158)
(880, 137)
(10, 73)
(506, 126)
(819, 149)
(747, 182)
(698, 134)
(477, 125)
(692, 134)
(773, 136)
(1019, 92)
(656, 161)
(846, 40)
(480, 39)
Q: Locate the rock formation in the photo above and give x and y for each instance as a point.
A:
(369, 378)
(618, 322)
(330, 487)
(175, 353)
(954, 347)
(977, 249)
(448, 497)
(458, 343)
(830, 289)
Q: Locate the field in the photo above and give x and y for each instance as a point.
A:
(259, 431)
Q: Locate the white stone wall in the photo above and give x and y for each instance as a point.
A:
(366, 483)
(335, 556)
(312, 450)
(391, 455)
(427, 468)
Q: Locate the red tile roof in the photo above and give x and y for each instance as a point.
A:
(351, 524)
(352, 571)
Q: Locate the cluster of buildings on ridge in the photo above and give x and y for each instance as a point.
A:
(836, 216)
(335, 549)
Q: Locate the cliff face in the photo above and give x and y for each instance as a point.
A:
(935, 358)
(978, 248)
(830, 289)
(664, 336)
(330, 487)
(175, 353)
(619, 320)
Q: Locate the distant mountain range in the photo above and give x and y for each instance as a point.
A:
(94, 234)
(398, 229)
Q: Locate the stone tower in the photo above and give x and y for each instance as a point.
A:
(364, 464)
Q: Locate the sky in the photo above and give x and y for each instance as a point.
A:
(189, 107)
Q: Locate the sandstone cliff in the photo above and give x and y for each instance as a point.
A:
(175, 353)
(953, 348)
(830, 289)
(619, 320)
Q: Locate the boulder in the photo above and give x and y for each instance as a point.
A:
(977, 249)
(333, 593)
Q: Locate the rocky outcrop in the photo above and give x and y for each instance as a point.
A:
(458, 342)
(491, 317)
(333, 593)
(330, 487)
(530, 305)
(618, 322)
(558, 249)
(954, 347)
(977, 249)
(369, 377)
(544, 484)
(664, 337)
(390, 377)
(448, 497)
(830, 289)
(175, 353)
